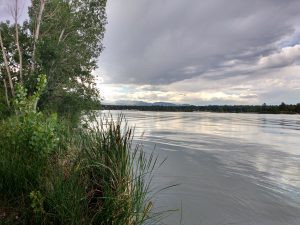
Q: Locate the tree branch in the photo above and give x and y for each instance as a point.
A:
(61, 36)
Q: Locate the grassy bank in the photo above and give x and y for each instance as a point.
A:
(51, 174)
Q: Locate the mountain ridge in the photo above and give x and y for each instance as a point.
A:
(143, 103)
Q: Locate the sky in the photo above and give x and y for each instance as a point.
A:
(7, 5)
(200, 52)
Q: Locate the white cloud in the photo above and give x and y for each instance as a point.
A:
(285, 57)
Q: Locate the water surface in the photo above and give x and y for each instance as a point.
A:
(241, 169)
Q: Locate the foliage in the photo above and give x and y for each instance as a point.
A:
(7, 31)
(51, 173)
(24, 104)
(89, 175)
(27, 140)
(67, 48)
(37, 202)
(71, 43)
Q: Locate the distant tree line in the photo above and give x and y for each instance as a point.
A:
(267, 109)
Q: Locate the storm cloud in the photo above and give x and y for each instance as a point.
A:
(165, 41)
(200, 52)
(208, 51)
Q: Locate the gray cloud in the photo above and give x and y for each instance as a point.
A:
(199, 52)
(165, 41)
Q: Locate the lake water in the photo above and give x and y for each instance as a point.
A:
(241, 169)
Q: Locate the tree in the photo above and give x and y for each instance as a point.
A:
(6, 55)
(297, 108)
(62, 39)
(68, 48)
(282, 107)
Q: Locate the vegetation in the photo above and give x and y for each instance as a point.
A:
(61, 39)
(267, 109)
(52, 172)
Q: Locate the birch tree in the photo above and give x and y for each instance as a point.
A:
(62, 39)
(4, 55)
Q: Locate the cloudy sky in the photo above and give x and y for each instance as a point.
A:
(200, 52)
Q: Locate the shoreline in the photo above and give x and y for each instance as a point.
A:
(217, 109)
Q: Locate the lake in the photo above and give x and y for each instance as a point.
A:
(241, 169)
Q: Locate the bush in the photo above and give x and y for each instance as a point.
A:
(26, 143)
(52, 174)
(27, 140)
(89, 175)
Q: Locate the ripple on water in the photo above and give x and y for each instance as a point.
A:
(238, 169)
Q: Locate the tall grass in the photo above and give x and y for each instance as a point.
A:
(115, 173)
(93, 175)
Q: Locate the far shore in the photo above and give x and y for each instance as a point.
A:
(254, 109)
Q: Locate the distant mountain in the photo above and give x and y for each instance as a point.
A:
(126, 102)
(142, 103)
(185, 105)
(163, 104)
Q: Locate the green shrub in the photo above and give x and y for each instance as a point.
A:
(52, 174)
(26, 142)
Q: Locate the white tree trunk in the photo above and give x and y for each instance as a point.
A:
(37, 32)
(16, 15)
(6, 66)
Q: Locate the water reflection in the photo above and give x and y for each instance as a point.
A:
(233, 168)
